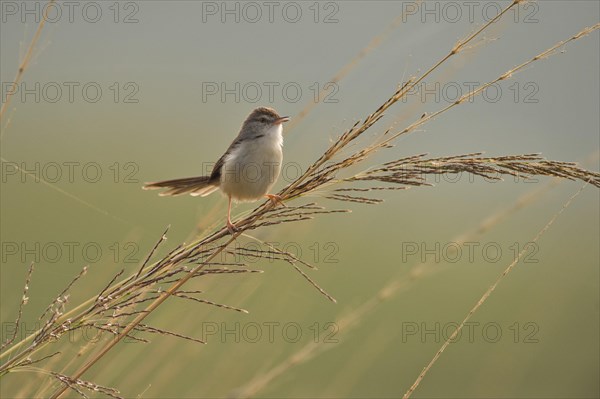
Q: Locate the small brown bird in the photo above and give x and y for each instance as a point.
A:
(247, 170)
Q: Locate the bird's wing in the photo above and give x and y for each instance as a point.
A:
(216, 172)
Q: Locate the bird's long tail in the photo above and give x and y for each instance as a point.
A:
(201, 186)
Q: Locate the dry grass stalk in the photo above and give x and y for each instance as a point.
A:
(78, 386)
(413, 171)
(62, 298)
(24, 300)
(25, 62)
(487, 294)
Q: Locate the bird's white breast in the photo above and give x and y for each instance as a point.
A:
(253, 167)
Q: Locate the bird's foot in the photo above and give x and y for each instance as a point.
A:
(231, 227)
(275, 199)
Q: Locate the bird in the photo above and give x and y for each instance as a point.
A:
(247, 170)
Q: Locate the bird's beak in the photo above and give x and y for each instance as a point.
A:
(281, 120)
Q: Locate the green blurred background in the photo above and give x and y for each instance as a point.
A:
(537, 335)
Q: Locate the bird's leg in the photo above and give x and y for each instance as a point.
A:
(230, 226)
(275, 199)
